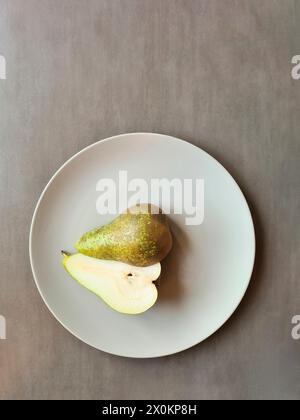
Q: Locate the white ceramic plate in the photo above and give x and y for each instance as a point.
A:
(205, 276)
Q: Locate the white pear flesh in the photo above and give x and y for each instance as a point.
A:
(125, 288)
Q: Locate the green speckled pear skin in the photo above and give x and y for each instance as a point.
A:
(135, 237)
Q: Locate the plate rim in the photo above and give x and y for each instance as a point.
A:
(118, 136)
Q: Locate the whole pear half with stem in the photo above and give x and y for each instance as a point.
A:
(125, 288)
(140, 236)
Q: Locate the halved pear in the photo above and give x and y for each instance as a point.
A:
(125, 288)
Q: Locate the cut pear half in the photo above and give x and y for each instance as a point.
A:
(125, 288)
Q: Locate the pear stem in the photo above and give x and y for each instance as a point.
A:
(65, 253)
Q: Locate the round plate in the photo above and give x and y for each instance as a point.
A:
(204, 277)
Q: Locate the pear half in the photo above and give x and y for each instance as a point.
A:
(125, 288)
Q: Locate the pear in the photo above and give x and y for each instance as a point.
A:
(125, 288)
(140, 237)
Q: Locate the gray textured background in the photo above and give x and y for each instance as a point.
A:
(214, 72)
